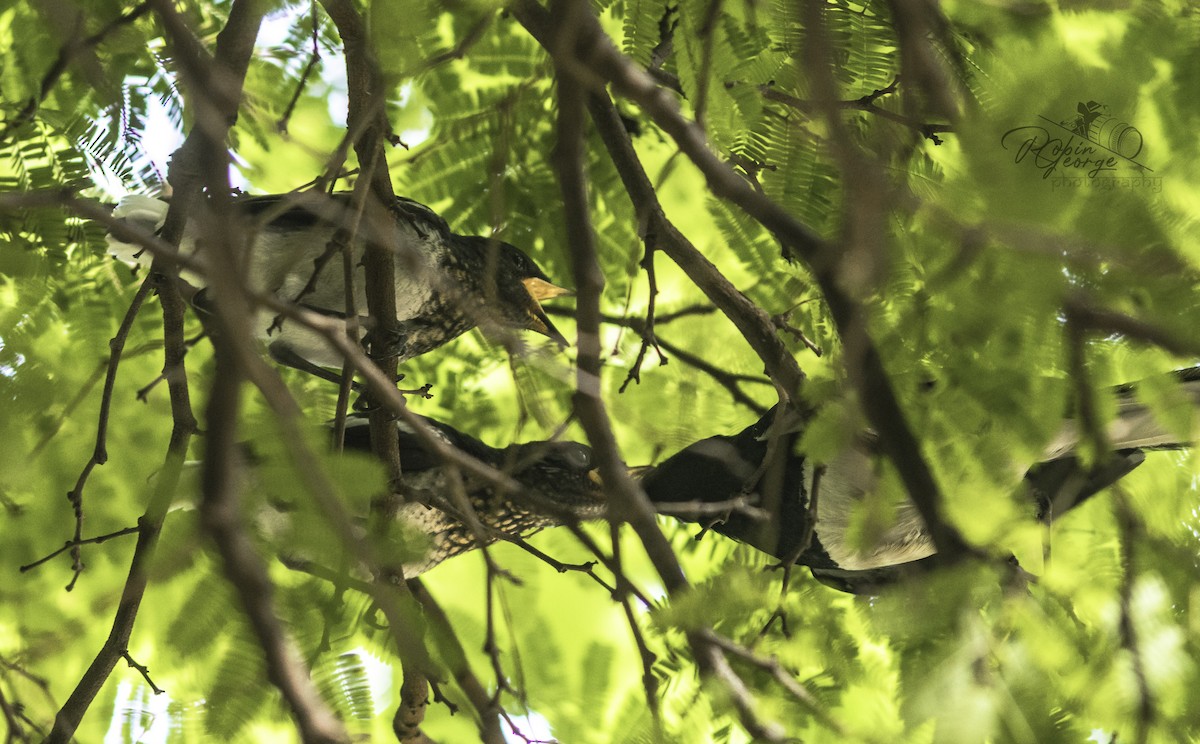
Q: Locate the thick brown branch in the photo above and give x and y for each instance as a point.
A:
(366, 114)
(150, 525)
(1089, 317)
(234, 46)
(597, 53)
(627, 501)
(216, 87)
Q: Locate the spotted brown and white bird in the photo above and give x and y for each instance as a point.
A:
(558, 479)
(446, 283)
(557, 483)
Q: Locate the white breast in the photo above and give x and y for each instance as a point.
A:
(841, 490)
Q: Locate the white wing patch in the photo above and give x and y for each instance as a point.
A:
(143, 211)
(846, 481)
(1135, 426)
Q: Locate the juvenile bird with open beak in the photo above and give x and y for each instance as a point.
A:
(446, 283)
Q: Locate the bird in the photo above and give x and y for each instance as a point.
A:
(446, 283)
(722, 467)
(558, 482)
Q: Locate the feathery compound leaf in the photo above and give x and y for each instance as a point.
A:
(345, 682)
(236, 695)
(644, 22)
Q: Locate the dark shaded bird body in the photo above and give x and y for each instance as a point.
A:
(557, 478)
(445, 283)
(722, 467)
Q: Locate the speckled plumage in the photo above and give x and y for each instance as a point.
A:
(446, 283)
(557, 478)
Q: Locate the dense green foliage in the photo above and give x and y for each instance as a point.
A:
(980, 256)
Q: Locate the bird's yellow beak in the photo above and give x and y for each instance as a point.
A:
(636, 472)
(540, 289)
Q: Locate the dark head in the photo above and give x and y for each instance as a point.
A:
(561, 477)
(520, 285)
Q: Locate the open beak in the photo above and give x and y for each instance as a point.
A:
(540, 289)
(636, 472)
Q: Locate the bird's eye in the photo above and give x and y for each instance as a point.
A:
(578, 456)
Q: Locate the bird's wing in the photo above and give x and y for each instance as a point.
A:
(1135, 426)
(414, 455)
(304, 209)
(872, 581)
(145, 212)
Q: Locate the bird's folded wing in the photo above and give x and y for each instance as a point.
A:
(1136, 426)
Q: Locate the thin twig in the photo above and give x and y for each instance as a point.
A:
(785, 680)
(647, 333)
(16, 731)
(143, 670)
(282, 125)
(781, 321)
(610, 563)
(66, 54)
(1127, 523)
(490, 647)
(143, 393)
(865, 103)
(100, 451)
(69, 545)
(731, 381)
(621, 593)
(587, 568)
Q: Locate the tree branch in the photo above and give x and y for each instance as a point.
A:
(627, 501)
(72, 544)
(865, 103)
(1087, 316)
(234, 46)
(116, 347)
(366, 114)
(204, 159)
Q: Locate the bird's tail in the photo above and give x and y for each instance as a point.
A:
(1137, 426)
(145, 212)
